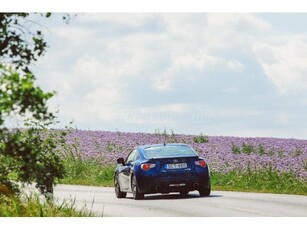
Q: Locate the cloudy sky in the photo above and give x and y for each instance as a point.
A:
(218, 74)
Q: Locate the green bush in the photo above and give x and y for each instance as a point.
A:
(29, 155)
(201, 139)
(247, 148)
(235, 149)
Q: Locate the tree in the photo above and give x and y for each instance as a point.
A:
(26, 155)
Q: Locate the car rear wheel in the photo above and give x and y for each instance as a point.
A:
(135, 189)
(118, 193)
(205, 191)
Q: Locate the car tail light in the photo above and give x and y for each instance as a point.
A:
(146, 166)
(201, 163)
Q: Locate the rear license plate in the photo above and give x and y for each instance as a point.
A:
(177, 185)
(176, 166)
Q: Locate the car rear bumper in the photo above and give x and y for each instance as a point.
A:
(173, 182)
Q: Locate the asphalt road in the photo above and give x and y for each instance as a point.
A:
(102, 202)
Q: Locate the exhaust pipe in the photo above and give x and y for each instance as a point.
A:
(196, 185)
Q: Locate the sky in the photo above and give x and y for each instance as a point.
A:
(226, 74)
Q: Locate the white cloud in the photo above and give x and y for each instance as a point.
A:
(285, 64)
(131, 19)
(282, 57)
(242, 22)
(200, 61)
(230, 113)
(109, 65)
(101, 71)
(102, 66)
(74, 34)
(104, 96)
(226, 31)
(155, 116)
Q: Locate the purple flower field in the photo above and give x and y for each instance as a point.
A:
(224, 154)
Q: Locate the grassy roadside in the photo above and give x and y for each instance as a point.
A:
(265, 181)
(87, 172)
(12, 206)
(91, 172)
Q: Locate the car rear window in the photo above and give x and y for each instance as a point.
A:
(169, 151)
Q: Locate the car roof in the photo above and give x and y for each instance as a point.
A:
(158, 145)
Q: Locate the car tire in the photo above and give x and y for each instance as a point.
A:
(205, 191)
(118, 193)
(135, 189)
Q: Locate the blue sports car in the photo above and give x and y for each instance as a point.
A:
(161, 168)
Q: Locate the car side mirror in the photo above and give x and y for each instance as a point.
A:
(121, 161)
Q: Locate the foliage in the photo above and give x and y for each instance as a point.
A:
(26, 155)
(29, 155)
(19, 95)
(235, 149)
(33, 206)
(261, 150)
(247, 148)
(20, 45)
(201, 139)
(88, 171)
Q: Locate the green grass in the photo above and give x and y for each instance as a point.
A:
(87, 172)
(90, 172)
(12, 206)
(265, 181)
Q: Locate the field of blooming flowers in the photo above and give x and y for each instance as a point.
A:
(224, 154)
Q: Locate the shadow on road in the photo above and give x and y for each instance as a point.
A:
(175, 196)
